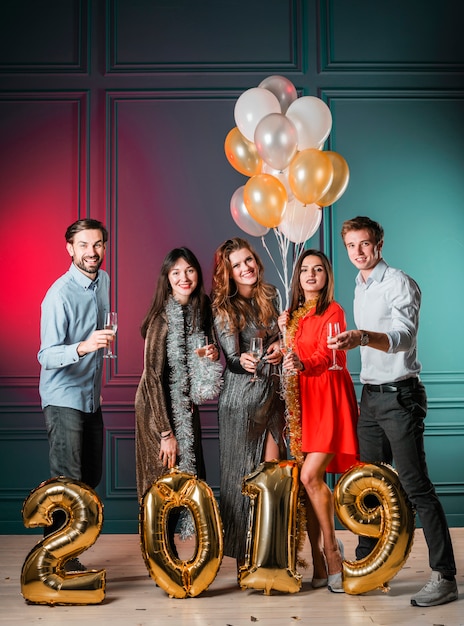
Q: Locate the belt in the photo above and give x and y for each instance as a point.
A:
(389, 387)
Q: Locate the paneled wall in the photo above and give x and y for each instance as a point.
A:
(119, 110)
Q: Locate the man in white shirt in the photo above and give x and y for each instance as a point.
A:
(393, 402)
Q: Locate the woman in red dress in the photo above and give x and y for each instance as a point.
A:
(322, 405)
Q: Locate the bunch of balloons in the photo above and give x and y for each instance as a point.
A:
(277, 142)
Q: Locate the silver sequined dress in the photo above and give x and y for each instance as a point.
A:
(247, 411)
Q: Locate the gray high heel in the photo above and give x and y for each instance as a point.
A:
(335, 581)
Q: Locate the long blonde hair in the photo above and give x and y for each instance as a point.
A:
(227, 303)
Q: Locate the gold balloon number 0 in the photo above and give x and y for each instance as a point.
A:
(391, 522)
(181, 578)
(43, 579)
(270, 561)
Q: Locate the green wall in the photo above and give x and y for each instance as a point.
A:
(137, 99)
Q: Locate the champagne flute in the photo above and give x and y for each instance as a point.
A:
(256, 351)
(200, 345)
(286, 347)
(111, 323)
(333, 329)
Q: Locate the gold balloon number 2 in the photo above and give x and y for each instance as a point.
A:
(43, 578)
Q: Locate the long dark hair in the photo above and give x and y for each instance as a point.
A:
(199, 300)
(326, 295)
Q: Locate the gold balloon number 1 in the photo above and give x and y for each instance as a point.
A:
(270, 561)
(43, 578)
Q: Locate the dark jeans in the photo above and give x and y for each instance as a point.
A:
(75, 449)
(391, 430)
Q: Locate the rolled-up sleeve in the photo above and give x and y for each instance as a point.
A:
(405, 308)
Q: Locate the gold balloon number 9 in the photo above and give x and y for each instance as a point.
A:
(43, 579)
(181, 578)
(391, 522)
(272, 539)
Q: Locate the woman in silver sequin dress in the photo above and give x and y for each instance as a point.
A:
(251, 413)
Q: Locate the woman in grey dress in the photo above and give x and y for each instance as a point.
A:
(251, 413)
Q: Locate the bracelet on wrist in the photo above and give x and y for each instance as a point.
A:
(167, 435)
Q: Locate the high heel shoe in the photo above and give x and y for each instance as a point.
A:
(319, 583)
(335, 581)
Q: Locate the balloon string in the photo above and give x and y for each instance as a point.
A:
(284, 245)
(284, 277)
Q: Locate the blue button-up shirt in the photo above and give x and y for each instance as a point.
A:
(72, 309)
(388, 302)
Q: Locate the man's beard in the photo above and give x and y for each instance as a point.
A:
(89, 270)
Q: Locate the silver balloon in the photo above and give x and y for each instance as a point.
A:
(276, 140)
(283, 89)
(241, 216)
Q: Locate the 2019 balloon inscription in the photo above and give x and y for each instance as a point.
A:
(43, 577)
(271, 547)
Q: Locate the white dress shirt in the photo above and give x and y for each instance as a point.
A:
(388, 302)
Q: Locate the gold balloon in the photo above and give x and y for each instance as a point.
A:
(310, 175)
(241, 153)
(272, 535)
(43, 579)
(391, 522)
(265, 197)
(340, 179)
(177, 577)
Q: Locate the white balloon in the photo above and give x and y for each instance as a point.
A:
(241, 216)
(251, 107)
(283, 89)
(313, 121)
(300, 221)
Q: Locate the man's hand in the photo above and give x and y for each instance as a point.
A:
(98, 339)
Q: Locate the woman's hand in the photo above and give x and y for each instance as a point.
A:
(273, 354)
(212, 352)
(168, 451)
(248, 362)
(292, 362)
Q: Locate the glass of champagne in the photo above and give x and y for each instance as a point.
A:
(256, 351)
(286, 347)
(111, 323)
(333, 329)
(200, 345)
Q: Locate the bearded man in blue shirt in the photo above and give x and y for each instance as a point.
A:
(393, 401)
(71, 356)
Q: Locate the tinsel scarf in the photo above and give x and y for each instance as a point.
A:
(291, 388)
(192, 381)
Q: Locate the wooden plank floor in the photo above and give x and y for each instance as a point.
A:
(132, 597)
